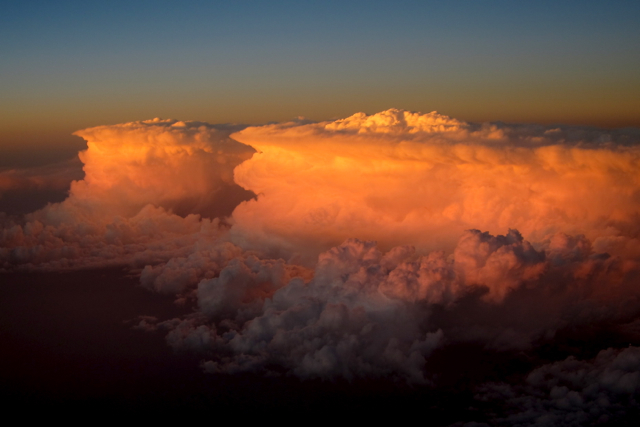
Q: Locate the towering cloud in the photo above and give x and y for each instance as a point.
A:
(184, 167)
(362, 247)
(146, 187)
(403, 178)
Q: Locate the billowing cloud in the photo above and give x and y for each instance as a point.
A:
(369, 313)
(57, 176)
(27, 189)
(147, 186)
(572, 392)
(184, 167)
(404, 178)
(372, 242)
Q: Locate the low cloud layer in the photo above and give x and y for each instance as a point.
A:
(24, 190)
(572, 392)
(359, 248)
(369, 313)
(57, 176)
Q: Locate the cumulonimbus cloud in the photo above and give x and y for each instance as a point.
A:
(403, 178)
(147, 186)
(371, 242)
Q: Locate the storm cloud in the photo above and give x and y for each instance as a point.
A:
(359, 248)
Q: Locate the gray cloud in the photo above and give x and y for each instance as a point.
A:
(572, 392)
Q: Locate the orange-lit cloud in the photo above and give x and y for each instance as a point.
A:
(366, 313)
(404, 178)
(180, 166)
(373, 240)
(138, 178)
(57, 176)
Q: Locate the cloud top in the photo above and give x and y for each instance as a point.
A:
(405, 178)
(394, 121)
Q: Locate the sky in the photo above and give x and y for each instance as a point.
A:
(71, 65)
(418, 206)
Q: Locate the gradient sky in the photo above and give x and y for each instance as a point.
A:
(507, 255)
(68, 65)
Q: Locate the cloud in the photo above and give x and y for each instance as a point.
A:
(403, 178)
(149, 189)
(366, 313)
(57, 176)
(258, 314)
(184, 167)
(372, 242)
(23, 190)
(395, 177)
(573, 392)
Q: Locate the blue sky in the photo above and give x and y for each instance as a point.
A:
(68, 65)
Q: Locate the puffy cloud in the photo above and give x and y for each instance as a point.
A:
(365, 313)
(184, 167)
(373, 242)
(24, 190)
(153, 235)
(500, 263)
(395, 177)
(573, 392)
(259, 316)
(397, 122)
(404, 178)
(146, 189)
(57, 176)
